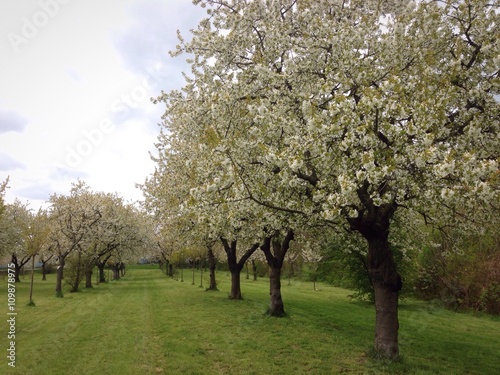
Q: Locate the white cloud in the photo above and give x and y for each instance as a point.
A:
(8, 163)
(12, 121)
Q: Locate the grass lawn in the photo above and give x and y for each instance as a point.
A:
(149, 324)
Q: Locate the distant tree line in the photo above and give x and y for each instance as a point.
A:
(77, 234)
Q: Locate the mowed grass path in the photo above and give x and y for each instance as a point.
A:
(149, 324)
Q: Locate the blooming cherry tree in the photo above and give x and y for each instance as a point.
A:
(342, 113)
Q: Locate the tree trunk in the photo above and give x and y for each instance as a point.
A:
(101, 263)
(236, 266)
(102, 276)
(276, 307)
(17, 270)
(193, 273)
(116, 272)
(123, 269)
(386, 284)
(78, 276)
(89, 270)
(373, 222)
(212, 262)
(44, 271)
(44, 266)
(170, 270)
(235, 285)
(235, 270)
(88, 278)
(275, 260)
(254, 269)
(201, 276)
(76, 283)
(31, 303)
(59, 276)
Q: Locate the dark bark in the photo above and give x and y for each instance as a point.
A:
(102, 275)
(254, 269)
(276, 306)
(78, 275)
(17, 273)
(235, 265)
(170, 268)
(60, 275)
(44, 271)
(201, 276)
(18, 265)
(194, 267)
(275, 250)
(44, 267)
(235, 286)
(89, 271)
(123, 269)
(386, 284)
(373, 222)
(101, 263)
(88, 278)
(116, 270)
(292, 269)
(212, 263)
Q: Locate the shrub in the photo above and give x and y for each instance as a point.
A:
(463, 272)
(489, 300)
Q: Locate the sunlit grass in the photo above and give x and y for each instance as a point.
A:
(149, 324)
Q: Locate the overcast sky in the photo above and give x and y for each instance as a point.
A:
(76, 80)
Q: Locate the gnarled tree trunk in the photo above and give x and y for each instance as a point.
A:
(236, 266)
(102, 276)
(276, 306)
(18, 266)
(212, 262)
(235, 285)
(78, 274)
(373, 222)
(254, 269)
(170, 270)
(116, 271)
(101, 263)
(17, 273)
(88, 278)
(386, 284)
(275, 258)
(44, 266)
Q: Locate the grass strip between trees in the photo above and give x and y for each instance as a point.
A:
(146, 323)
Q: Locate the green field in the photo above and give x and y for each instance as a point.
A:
(149, 324)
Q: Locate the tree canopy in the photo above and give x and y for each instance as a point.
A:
(338, 113)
